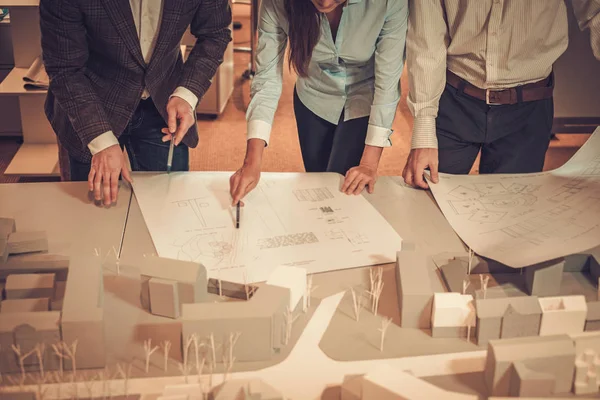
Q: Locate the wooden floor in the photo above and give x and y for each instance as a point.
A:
(222, 141)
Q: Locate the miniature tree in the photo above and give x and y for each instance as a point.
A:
(465, 285)
(289, 323)
(22, 357)
(310, 288)
(40, 349)
(197, 346)
(186, 349)
(166, 346)
(228, 358)
(125, 374)
(376, 287)
(58, 379)
(89, 385)
(213, 349)
(484, 280)
(40, 382)
(149, 350)
(58, 350)
(248, 289)
(356, 303)
(471, 254)
(385, 324)
(185, 371)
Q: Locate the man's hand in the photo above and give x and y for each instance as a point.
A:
(181, 119)
(358, 178)
(418, 161)
(103, 179)
(244, 181)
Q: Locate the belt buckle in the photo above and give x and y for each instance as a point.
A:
(487, 97)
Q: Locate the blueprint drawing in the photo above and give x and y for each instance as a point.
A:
(524, 219)
(289, 219)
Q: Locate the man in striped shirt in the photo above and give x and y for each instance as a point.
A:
(481, 79)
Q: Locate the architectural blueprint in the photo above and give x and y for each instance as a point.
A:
(523, 219)
(289, 219)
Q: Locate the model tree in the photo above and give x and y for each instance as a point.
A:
(149, 350)
(385, 324)
(357, 302)
(166, 347)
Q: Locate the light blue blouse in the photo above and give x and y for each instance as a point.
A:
(359, 73)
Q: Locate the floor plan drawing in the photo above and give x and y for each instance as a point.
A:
(523, 219)
(289, 219)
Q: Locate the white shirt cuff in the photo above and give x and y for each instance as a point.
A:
(258, 129)
(102, 142)
(186, 95)
(424, 133)
(378, 136)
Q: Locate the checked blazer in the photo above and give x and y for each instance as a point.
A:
(93, 57)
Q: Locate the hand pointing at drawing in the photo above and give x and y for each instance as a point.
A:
(245, 179)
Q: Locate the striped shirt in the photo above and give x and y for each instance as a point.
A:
(493, 44)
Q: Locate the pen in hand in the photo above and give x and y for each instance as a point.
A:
(170, 158)
(237, 216)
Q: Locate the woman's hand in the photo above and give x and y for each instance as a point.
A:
(358, 178)
(245, 179)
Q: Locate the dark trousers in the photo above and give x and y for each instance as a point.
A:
(143, 141)
(327, 147)
(512, 138)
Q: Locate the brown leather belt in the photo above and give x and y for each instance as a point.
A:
(531, 92)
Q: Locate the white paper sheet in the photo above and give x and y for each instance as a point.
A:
(524, 219)
(289, 219)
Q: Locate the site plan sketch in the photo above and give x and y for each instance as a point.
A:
(524, 219)
(289, 219)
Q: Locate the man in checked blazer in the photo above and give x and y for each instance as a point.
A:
(117, 79)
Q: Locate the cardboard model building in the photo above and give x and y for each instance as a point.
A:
(416, 287)
(565, 314)
(592, 320)
(386, 382)
(545, 279)
(530, 366)
(260, 322)
(453, 315)
(504, 318)
(167, 284)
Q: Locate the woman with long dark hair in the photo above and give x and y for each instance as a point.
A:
(348, 55)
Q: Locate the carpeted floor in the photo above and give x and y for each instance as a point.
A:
(223, 141)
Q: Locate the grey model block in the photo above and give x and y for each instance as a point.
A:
(352, 387)
(577, 263)
(260, 321)
(594, 264)
(83, 312)
(554, 355)
(529, 383)
(24, 305)
(40, 263)
(451, 331)
(416, 287)
(27, 286)
(191, 277)
(27, 242)
(592, 320)
(545, 279)
(164, 298)
(454, 273)
(3, 250)
(507, 317)
(7, 226)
